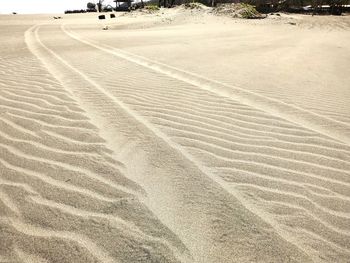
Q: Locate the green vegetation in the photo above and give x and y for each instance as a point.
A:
(193, 5)
(152, 7)
(251, 8)
(248, 11)
(239, 10)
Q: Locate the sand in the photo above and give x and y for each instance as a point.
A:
(177, 136)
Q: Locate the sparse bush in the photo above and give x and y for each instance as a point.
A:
(248, 11)
(91, 6)
(239, 10)
(152, 7)
(193, 5)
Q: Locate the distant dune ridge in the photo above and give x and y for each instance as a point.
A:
(124, 146)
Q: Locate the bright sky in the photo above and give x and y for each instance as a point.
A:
(42, 6)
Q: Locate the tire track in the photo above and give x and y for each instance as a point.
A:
(64, 197)
(159, 134)
(305, 118)
(58, 66)
(125, 88)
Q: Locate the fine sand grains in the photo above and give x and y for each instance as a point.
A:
(108, 156)
(63, 196)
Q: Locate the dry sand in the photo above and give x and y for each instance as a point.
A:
(177, 136)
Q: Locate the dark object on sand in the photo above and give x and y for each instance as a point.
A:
(14, 13)
(57, 17)
(75, 11)
(112, 15)
(102, 17)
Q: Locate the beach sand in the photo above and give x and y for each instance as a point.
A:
(176, 136)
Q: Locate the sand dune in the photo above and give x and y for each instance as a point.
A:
(107, 155)
(62, 192)
(303, 65)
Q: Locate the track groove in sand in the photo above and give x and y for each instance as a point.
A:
(147, 124)
(73, 190)
(63, 194)
(33, 34)
(209, 159)
(310, 120)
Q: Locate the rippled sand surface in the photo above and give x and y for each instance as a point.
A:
(174, 137)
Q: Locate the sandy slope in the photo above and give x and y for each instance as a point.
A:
(174, 138)
(306, 64)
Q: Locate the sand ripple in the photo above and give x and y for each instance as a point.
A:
(64, 197)
(248, 177)
(292, 173)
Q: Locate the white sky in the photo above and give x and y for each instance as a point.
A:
(42, 6)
